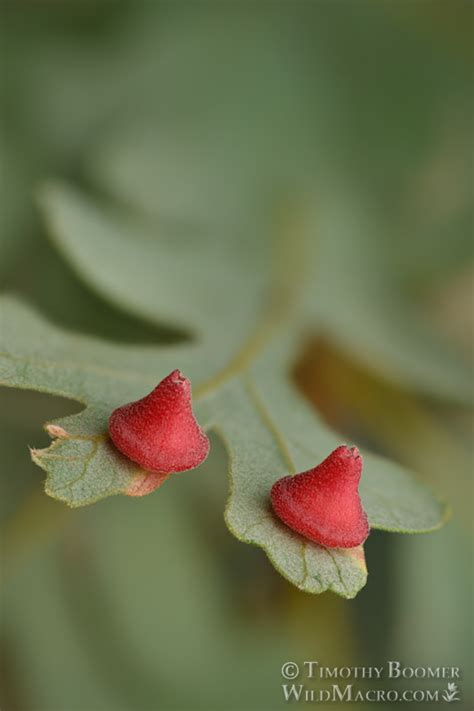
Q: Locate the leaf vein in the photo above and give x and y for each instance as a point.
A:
(269, 423)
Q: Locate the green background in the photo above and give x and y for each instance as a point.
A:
(152, 604)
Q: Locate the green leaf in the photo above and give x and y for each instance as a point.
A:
(267, 427)
(213, 268)
(230, 118)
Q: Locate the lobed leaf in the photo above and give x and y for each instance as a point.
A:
(267, 427)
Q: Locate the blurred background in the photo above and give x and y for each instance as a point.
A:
(152, 604)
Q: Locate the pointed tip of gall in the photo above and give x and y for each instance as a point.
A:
(176, 376)
(344, 451)
(323, 503)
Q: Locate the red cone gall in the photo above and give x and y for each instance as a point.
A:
(323, 504)
(159, 432)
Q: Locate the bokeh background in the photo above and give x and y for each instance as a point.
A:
(152, 604)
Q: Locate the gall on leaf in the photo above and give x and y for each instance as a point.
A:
(323, 504)
(159, 432)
